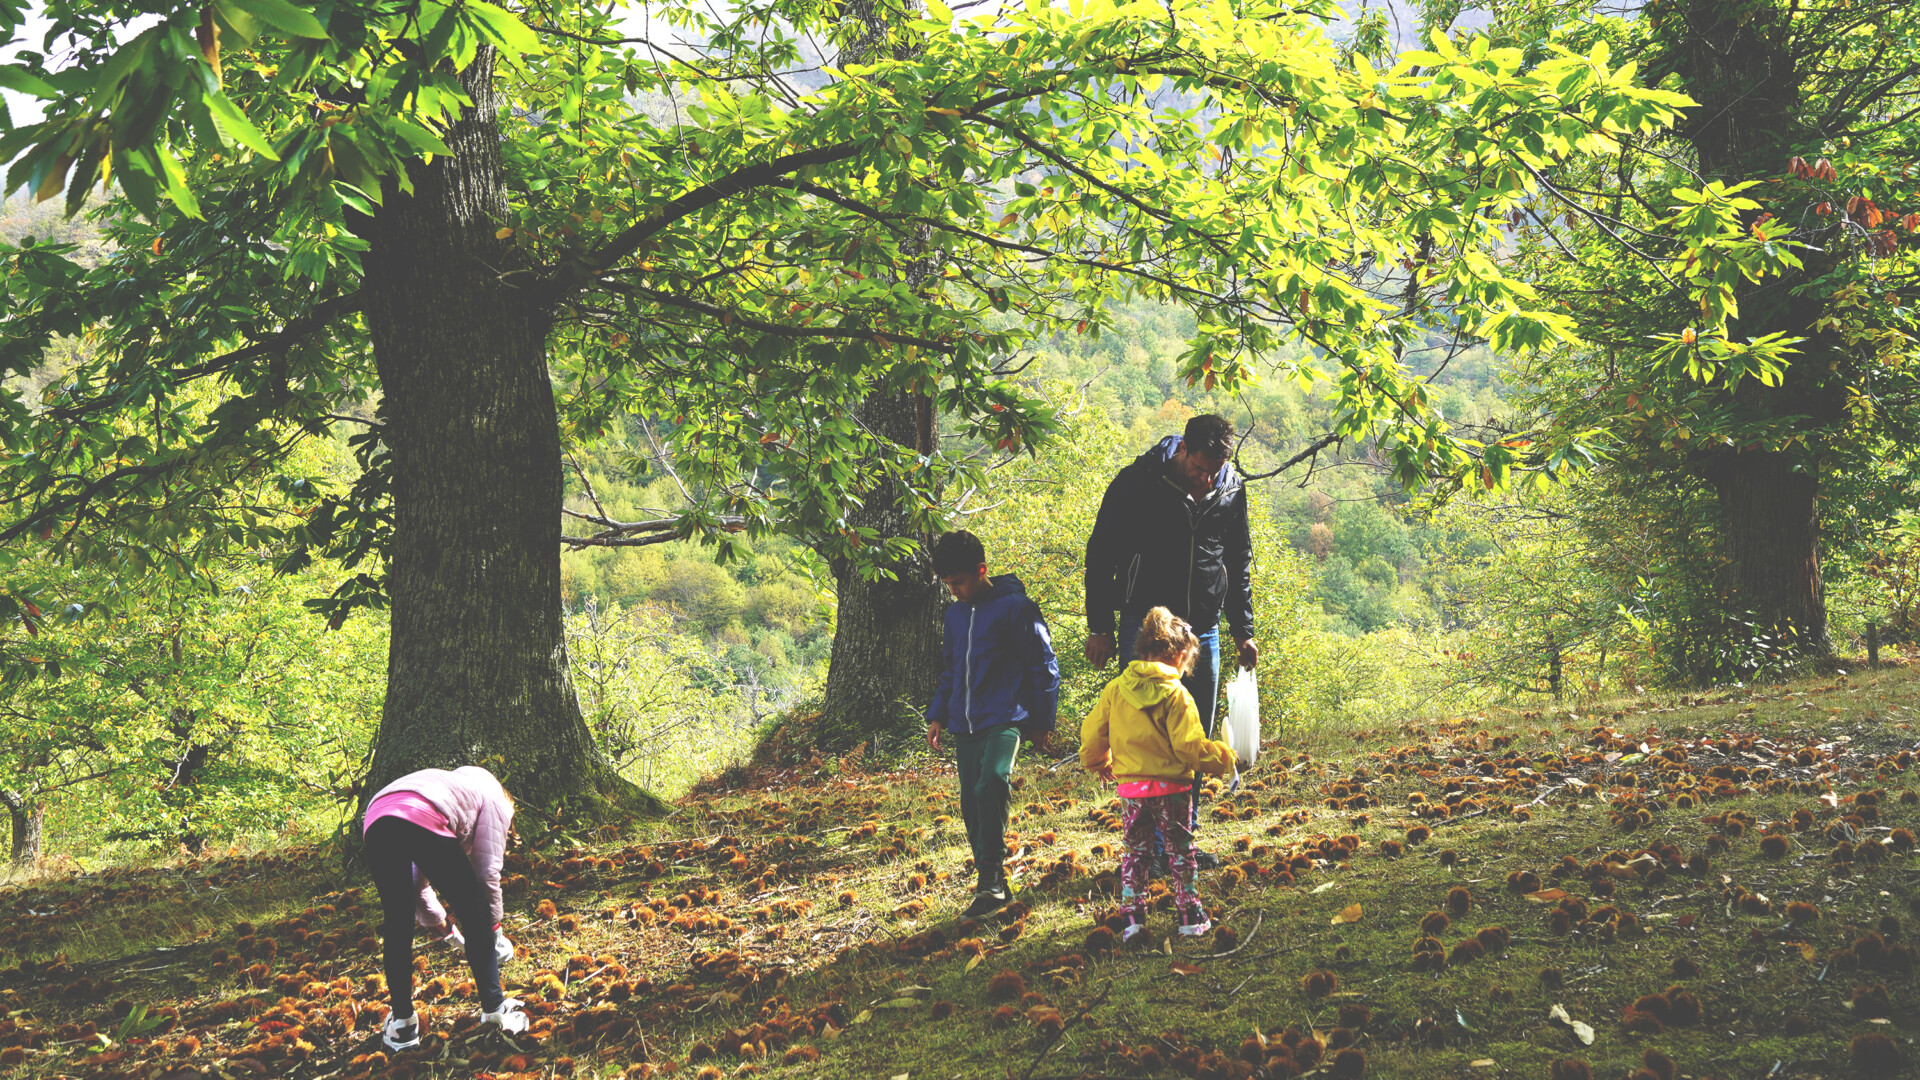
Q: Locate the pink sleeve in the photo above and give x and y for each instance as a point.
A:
(488, 846)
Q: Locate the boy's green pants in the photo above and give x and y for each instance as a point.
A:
(986, 762)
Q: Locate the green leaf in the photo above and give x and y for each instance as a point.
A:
(20, 80)
(235, 20)
(283, 16)
(499, 25)
(235, 125)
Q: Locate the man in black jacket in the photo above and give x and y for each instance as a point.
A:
(1172, 532)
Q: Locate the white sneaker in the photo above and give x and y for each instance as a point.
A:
(510, 1018)
(401, 1034)
(1132, 931)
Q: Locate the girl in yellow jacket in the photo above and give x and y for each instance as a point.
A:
(1145, 732)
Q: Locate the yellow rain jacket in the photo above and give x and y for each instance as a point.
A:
(1146, 724)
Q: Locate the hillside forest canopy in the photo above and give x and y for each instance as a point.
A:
(576, 389)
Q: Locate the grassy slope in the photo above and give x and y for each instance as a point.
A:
(831, 896)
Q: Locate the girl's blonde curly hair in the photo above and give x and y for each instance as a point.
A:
(1167, 639)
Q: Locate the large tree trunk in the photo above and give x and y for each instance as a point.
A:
(1735, 60)
(1772, 540)
(29, 818)
(477, 668)
(886, 639)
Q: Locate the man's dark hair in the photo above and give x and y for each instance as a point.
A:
(1209, 435)
(957, 552)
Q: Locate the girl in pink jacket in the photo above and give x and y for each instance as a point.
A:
(448, 829)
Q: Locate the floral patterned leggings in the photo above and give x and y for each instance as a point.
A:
(1168, 816)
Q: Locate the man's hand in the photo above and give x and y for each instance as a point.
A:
(933, 737)
(1100, 649)
(1249, 653)
(1105, 772)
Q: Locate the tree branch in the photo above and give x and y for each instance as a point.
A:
(738, 182)
(313, 320)
(1312, 450)
(854, 333)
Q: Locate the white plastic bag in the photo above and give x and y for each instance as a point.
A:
(1243, 718)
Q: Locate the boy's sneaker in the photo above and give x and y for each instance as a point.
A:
(986, 902)
(510, 1017)
(1134, 928)
(1205, 860)
(401, 1034)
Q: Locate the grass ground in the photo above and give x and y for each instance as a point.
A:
(1715, 886)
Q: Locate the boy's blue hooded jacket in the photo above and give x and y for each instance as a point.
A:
(999, 664)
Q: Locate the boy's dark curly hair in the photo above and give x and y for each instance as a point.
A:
(1210, 435)
(957, 552)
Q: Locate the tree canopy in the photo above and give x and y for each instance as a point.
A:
(682, 213)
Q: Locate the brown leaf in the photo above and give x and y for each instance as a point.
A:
(1547, 896)
(1181, 967)
(1349, 914)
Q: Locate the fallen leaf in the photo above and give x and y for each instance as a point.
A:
(865, 1015)
(895, 1003)
(1480, 1063)
(1547, 896)
(830, 1032)
(1581, 1031)
(1181, 967)
(1317, 889)
(1807, 951)
(1349, 914)
(975, 962)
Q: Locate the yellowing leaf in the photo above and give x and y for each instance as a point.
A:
(1807, 951)
(1181, 967)
(503, 233)
(975, 962)
(865, 1015)
(1349, 914)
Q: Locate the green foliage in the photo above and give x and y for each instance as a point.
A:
(663, 705)
(191, 716)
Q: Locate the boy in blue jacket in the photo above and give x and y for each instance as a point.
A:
(998, 680)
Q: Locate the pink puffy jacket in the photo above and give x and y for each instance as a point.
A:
(478, 811)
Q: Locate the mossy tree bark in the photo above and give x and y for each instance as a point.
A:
(886, 660)
(1738, 61)
(477, 670)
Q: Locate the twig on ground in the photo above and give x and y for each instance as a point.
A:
(1460, 818)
